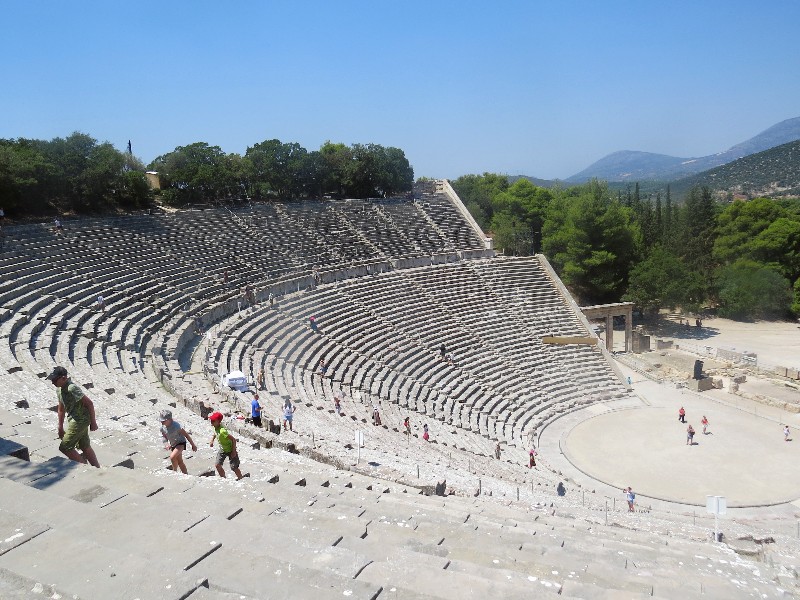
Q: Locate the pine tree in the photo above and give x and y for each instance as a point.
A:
(659, 224)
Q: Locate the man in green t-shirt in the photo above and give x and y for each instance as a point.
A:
(227, 446)
(79, 411)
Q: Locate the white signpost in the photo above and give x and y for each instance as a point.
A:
(716, 505)
(359, 444)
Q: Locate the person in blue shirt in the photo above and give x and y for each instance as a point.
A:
(255, 411)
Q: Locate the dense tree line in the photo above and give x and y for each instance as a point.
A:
(274, 169)
(75, 173)
(79, 174)
(742, 257)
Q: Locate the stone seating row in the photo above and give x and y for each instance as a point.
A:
(327, 301)
(325, 538)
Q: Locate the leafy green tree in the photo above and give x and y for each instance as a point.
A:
(395, 174)
(378, 171)
(740, 223)
(24, 176)
(698, 231)
(276, 169)
(663, 280)
(100, 179)
(659, 219)
(134, 191)
(519, 214)
(748, 290)
(336, 167)
(477, 192)
(667, 230)
(511, 234)
(592, 242)
(194, 173)
(778, 246)
(313, 174)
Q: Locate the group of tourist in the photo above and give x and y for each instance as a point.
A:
(75, 407)
(690, 430)
(288, 410)
(78, 411)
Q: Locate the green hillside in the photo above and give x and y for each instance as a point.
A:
(771, 173)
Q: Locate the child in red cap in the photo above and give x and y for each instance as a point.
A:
(227, 446)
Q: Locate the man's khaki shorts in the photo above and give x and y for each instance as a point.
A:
(75, 436)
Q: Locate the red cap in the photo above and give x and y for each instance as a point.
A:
(217, 416)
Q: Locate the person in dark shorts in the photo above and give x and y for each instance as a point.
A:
(79, 410)
(255, 411)
(227, 446)
(176, 439)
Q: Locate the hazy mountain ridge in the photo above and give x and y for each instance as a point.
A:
(772, 173)
(630, 165)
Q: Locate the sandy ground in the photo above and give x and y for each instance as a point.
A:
(775, 342)
(744, 457)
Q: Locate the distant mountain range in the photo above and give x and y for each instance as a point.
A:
(773, 172)
(632, 166)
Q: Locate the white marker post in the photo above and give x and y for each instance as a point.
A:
(716, 505)
(359, 444)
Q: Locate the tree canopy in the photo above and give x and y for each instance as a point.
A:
(275, 169)
(75, 173)
(79, 174)
(647, 249)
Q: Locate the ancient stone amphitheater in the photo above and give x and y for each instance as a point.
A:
(194, 295)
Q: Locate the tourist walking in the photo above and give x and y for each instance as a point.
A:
(705, 425)
(532, 457)
(785, 433)
(497, 451)
(79, 410)
(682, 415)
(407, 426)
(227, 447)
(175, 438)
(425, 435)
(690, 435)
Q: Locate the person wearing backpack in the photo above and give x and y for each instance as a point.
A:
(630, 497)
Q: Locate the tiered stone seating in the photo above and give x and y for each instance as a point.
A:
(450, 223)
(388, 328)
(311, 529)
(318, 532)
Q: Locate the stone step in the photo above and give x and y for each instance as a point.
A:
(104, 571)
(253, 574)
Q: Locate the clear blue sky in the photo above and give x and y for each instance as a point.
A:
(541, 88)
